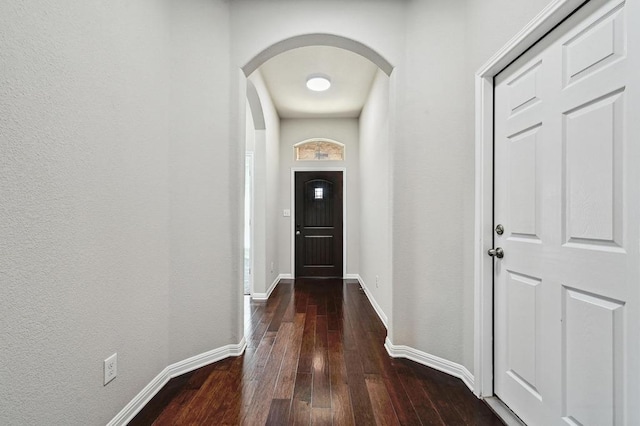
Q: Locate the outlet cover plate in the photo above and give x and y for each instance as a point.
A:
(110, 368)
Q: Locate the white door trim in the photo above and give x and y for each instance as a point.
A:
(344, 212)
(550, 17)
(249, 155)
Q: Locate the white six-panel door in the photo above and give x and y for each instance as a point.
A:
(567, 191)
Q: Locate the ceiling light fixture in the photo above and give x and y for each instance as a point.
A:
(318, 83)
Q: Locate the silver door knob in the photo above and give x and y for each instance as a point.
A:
(297, 232)
(497, 252)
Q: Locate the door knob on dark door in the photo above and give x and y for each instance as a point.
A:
(297, 232)
(497, 252)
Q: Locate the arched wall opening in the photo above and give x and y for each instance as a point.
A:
(255, 106)
(376, 275)
(317, 39)
(255, 135)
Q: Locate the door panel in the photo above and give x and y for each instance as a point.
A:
(593, 144)
(596, 46)
(566, 192)
(523, 292)
(593, 337)
(522, 152)
(318, 240)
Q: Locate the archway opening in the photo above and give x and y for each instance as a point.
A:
(369, 175)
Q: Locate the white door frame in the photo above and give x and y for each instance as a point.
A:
(549, 18)
(344, 212)
(249, 156)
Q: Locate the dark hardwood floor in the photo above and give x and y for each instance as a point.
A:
(315, 355)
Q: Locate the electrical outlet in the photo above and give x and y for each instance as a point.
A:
(377, 281)
(110, 368)
(272, 265)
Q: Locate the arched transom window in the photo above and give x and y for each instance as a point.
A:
(319, 150)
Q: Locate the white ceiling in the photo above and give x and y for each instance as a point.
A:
(351, 77)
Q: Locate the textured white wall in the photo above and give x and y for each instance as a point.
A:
(343, 130)
(266, 160)
(115, 220)
(84, 145)
(205, 228)
(375, 202)
(258, 24)
(260, 214)
(428, 180)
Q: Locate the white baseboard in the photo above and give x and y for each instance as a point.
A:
(351, 276)
(174, 370)
(400, 351)
(265, 296)
(440, 364)
(286, 276)
(372, 300)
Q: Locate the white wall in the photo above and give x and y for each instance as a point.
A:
(343, 130)
(375, 206)
(428, 183)
(267, 164)
(115, 220)
(205, 232)
(84, 147)
(257, 24)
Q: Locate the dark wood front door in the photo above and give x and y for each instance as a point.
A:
(318, 240)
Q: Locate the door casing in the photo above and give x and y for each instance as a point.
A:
(344, 213)
(549, 18)
(249, 156)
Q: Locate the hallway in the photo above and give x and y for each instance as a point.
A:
(315, 355)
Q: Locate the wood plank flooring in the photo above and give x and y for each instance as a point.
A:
(315, 356)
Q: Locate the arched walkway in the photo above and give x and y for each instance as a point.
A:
(317, 40)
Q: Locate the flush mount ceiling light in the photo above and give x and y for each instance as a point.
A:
(318, 83)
